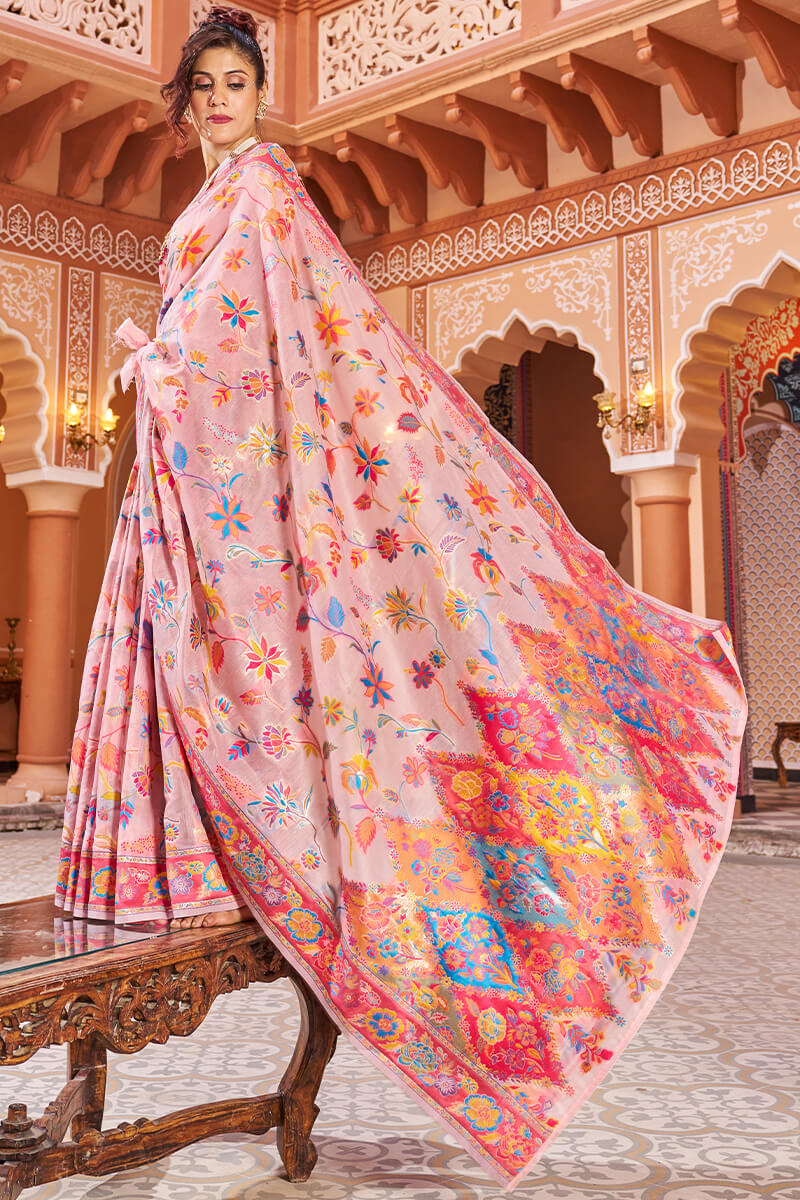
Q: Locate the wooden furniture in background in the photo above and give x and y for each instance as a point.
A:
(785, 731)
(121, 998)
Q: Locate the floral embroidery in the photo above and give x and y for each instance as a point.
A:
(351, 664)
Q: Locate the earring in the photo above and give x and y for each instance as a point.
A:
(187, 114)
(262, 110)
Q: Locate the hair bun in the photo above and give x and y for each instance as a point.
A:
(234, 18)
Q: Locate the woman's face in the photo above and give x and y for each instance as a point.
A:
(224, 97)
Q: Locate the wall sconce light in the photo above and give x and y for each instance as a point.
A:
(2, 433)
(609, 418)
(78, 436)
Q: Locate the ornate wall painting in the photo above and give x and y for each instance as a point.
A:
(707, 261)
(689, 183)
(29, 300)
(79, 375)
(78, 233)
(763, 529)
(121, 297)
(785, 381)
(573, 291)
(768, 348)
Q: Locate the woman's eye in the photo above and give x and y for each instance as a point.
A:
(237, 87)
(202, 87)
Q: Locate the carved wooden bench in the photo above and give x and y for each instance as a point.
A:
(121, 998)
(785, 731)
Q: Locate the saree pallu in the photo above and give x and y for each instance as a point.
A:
(352, 666)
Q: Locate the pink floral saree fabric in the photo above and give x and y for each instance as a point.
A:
(352, 664)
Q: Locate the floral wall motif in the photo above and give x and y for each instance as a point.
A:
(620, 206)
(703, 255)
(419, 315)
(574, 292)
(80, 311)
(122, 25)
(577, 283)
(29, 298)
(705, 266)
(266, 37)
(372, 39)
(639, 304)
(121, 298)
(459, 309)
(768, 339)
(768, 510)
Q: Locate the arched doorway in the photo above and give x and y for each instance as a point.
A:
(540, 393)
(719, 390)
(762, 492)
(23, 407)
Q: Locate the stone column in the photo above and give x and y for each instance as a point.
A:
(44, 736)
(662, 498)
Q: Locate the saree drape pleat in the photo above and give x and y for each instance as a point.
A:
(352, 665)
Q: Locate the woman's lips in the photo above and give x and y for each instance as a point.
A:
(219, 120)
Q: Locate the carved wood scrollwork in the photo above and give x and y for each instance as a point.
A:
(126, 1014)
(122, 999)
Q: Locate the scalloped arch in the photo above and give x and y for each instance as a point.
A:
(479, 364)
(706, 348)
(26, 402)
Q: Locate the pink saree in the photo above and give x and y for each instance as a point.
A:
(352, 665)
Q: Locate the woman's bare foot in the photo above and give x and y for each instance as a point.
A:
(228, 916)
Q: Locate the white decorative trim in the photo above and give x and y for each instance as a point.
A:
(599, 213)
(458, 308)
(419, 316)
(638, 298)
(59, 475)
(655, 460)
(27, 295)
(123, 298)
(80, 311)
(371, 40)
(72, 239)
(579, 283)
(121, 25)
(266, 37)
(704, 255)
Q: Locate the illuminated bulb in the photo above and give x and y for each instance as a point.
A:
(647, 396)
(73, 415)
(109, 421)
(605, 403)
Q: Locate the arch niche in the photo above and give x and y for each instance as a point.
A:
(701, 396)
(551, 377)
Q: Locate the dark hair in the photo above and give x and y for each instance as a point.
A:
(222, 27)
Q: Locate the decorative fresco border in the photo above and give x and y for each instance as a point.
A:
(35, 222)
(705, 179)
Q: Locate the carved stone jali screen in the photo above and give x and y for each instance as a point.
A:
(96, 998)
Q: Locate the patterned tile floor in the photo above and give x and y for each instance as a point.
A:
(775, 806)
(702, 1106)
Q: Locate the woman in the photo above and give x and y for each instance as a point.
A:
(353, 672)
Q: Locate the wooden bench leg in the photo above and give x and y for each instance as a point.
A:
(88, 1055)
(298, 1089)
(776, 754)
